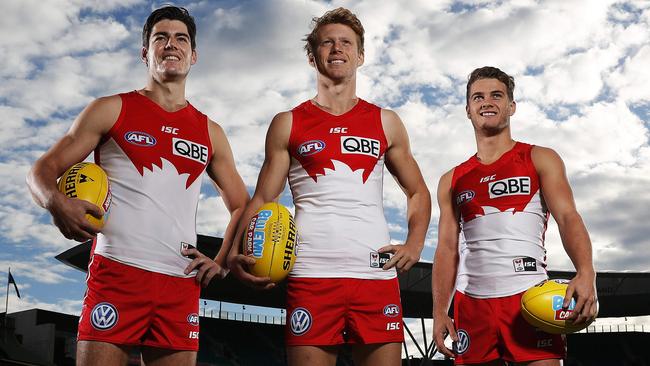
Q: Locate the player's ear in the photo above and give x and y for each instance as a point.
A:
(310, 59)
(195, 56)
(513, 107)
(361, 58)
(143, 55)
(467, 110)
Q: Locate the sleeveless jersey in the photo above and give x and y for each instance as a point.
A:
(336, 177)
(503, 220)
(154, 160)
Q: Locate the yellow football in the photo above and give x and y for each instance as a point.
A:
(88, 182)
(271, 239)
(541, 306)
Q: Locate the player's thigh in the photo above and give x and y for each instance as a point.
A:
(93, 353)
(312, 355)
(491, 363)
(165, 357)
(386, 354)
(553, 362)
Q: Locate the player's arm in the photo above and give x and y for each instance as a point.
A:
(233, 192)
(402, 165)
(270, 183)
(80, 140)
(445, 265)
(559, 200)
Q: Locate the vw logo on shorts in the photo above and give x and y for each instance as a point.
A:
(104, 316)
(463, 342)
(300, 321)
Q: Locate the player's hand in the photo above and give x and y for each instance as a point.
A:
(583, 289)
(206, 267)
(443, 325)
(404, 256)
(69, 215)
(238, 264)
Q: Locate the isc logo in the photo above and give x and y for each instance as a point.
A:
(189, 149)
(139, 138)
(391, 310)
(392, 326)
(359, 145)
(509, 187)
(311, 147)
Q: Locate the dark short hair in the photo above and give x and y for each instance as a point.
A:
(171, 13)
(489, 72)
(336, 16)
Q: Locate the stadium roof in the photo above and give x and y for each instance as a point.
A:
(619, 293)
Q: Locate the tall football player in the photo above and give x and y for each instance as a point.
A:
(332, 148)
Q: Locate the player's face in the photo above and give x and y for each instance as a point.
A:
(337, 55)
(170, 53)
(489, 107)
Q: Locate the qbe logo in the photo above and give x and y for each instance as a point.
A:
(462, 345)
(311, 147)
(360, 145)
(193, 319)
(104, 316)
(139, 138)
(509, 187)
(190, 149)
(300, 321)
(391, 310)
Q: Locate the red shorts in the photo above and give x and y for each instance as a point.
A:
(491, 329)
(332, 311)
(130, 306)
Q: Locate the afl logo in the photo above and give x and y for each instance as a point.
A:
(193, 319)
(464, 197)
(463, 342)
(311, 147)
(139, 138)
(300, 321)
(104, 316)
(391, 310)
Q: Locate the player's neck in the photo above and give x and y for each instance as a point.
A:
(491, 148)
(336, 99)
(170, 96)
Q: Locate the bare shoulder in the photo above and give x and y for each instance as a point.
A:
(280, 127)
(100, 115)
(545, 158)
(393, 127)
(445, 179)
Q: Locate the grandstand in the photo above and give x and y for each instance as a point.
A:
(40, 337)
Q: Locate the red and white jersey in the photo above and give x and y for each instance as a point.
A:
(503, 220)
(336, 177)
(154, 160)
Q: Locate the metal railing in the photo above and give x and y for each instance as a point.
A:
(616, 328)
(242, 316)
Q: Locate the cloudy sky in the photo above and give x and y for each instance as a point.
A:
(582, 90)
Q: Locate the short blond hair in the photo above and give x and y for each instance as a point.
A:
(336, 16)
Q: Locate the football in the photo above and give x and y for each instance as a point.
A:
(88, 182)
(271, 238)
(541, 306)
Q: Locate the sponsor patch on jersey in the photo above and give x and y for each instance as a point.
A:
(377, 260)
(525, 264)
(300, 321)
(311, 147)
(464, 197)
(139, 138)
(193, 319)
(462, 345)
(360, 145)
(104, 316)
(190, 150)
(391, 310)
(509, 187)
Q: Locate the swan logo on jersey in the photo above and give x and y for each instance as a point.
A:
(509, 187)
(193, 319)
(391, 310)
(462, 345)
(360, 145)
(139, 138)
(377, 260)
(103, 316)
(311, 147)
(190, 149)
(300, 321)
(464, 197)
